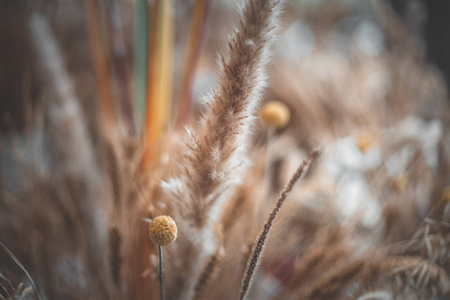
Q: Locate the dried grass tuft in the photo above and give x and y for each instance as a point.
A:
(369, 221)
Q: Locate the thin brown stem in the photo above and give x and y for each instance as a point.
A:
(100, 59)
(196, 33)
(17, 261)
(256, 253)
(161, 285)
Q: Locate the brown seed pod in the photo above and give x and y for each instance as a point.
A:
(162, 230)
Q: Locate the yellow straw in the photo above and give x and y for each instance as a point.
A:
(159, 91)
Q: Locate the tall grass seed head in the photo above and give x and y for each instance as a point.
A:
(162, 230)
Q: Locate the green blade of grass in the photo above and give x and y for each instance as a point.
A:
(140, 61)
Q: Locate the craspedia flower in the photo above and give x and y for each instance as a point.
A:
(275, 114)
(446, 194)
(400, 183)
(365, 141)
(162, 230)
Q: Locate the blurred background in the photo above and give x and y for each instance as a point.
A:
(327, 37)
(366, 80)
(350, 72)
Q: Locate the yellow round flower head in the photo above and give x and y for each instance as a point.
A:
(275, 114)
(162, 230)
(365, 141)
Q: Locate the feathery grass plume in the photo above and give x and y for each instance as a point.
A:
(216, 152)
(73, 151)
(258, 248)
(62, 201)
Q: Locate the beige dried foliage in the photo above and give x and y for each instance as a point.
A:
(78, 221)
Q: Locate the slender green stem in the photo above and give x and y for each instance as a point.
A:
(140, 61)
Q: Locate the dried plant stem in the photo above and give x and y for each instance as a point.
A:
(121, 64)
(159, 81)
(268, 173)
(161, 285)
(17, 261)
(140, 60)
(192, 52)
(256, 253)
(99, 55)
(5, 290)
(115, 243)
